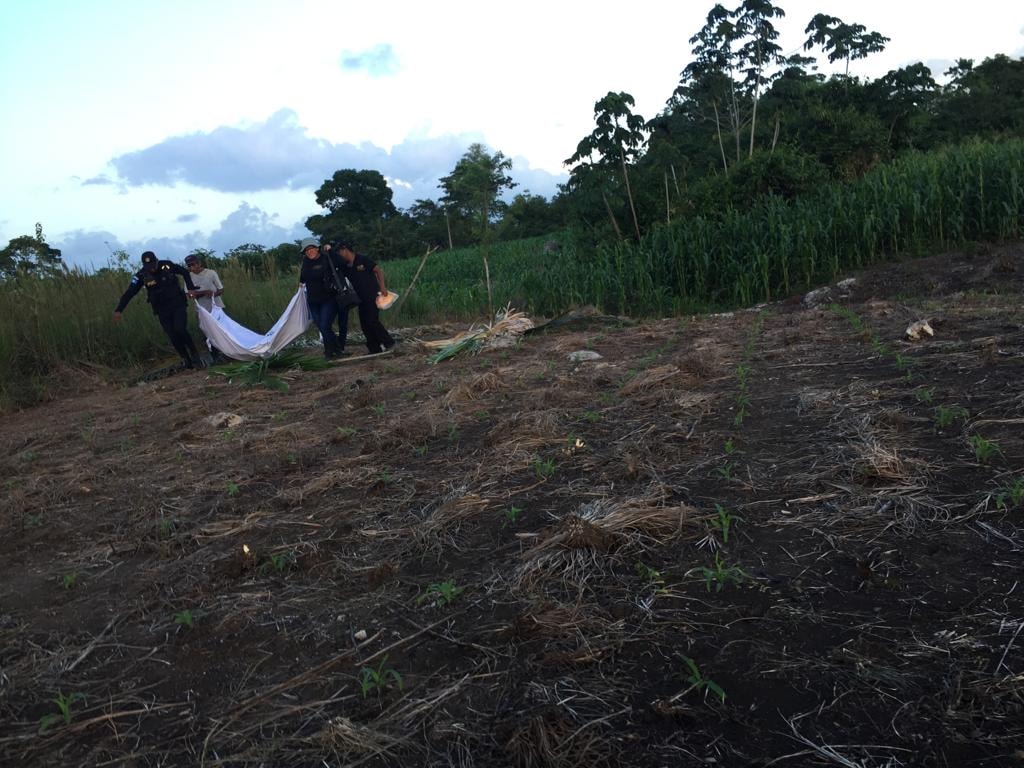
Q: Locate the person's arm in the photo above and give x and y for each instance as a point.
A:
(134, 287)
(217, 285)
(379, 274)
(180, 270)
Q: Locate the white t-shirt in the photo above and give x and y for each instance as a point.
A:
(208, 280)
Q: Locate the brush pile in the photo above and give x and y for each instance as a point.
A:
(508, 327)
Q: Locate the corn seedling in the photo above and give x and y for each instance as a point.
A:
(721, 575)
(511, 515)
(184, 618)
(925, 394)
(378, 409)
(725, 471)
(232, 489)
(280, 563)
(984, 449)
(730, 449)
(724, 522)
(70, 580)
(544, 469)
(592, 416)
(378, 678)
(345, 431)
(700, 683)
(945, 416)
(1012, 496)
(440, 594)
(64, 705)
(649, 575)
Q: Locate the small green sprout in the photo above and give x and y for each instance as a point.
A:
(440, 594)
(184, 618)
(701, 683)
(64, 704)
(70, 580)
(512, 514)
(544, 469)
(378, 678)
(984, 449)
(721, 575)
(724, 522)
(945, 416)
(232, 489)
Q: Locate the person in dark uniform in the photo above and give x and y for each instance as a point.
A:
(368, 280)
(164, 294)
(316, 275)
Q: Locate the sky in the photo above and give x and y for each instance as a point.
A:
(176, 125)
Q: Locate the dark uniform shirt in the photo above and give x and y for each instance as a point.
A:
(360, 273)
(163, 292)
(318, 278)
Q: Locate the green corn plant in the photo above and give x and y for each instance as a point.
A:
(1012, 496)
(725, 470)
(721, 575)
(724, 522)
(70, 580)
(440, 594)
(65, 705)
(946, 415)
(700, 683)
(984, 449)
(232, 489)
(279, 563)
(378, 679)
(650, 576)
(511, 514)
(925, 395)
(544, 468)
(184, 618)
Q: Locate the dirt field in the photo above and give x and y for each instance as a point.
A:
(780, 537)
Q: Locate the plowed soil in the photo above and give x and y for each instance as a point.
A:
(784, 536)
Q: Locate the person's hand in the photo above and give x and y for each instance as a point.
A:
(117, 317)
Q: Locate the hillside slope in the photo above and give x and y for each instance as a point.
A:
(514, 559)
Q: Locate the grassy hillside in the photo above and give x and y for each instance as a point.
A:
(736, 258)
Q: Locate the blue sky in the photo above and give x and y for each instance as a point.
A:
(211, 124)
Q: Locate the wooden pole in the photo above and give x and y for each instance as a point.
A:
(423, 261)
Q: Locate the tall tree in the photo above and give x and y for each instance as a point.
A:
(841, 41)
(473, 189)
(30, 254)
(358, 205)
(758, 51)
(618, 137)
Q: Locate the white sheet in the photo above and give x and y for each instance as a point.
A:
(238, 342)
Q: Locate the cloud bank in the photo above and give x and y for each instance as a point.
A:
(279, 154)
(378, 61)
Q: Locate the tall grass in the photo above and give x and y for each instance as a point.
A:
(919, 203)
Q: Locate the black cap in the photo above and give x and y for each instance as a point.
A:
(346, 244)
(148, 257)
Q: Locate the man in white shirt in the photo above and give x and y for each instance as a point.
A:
(209, 290)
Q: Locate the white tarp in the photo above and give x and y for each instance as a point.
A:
(238, 342)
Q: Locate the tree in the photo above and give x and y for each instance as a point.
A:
(841, 41)
(358, 204)
(618, 137)
(759, 50)
(473, 190)
(30, 254)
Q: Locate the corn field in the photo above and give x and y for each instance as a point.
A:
(920, 203)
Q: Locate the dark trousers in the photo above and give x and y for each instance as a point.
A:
(377, 337)
(174, 321)
(323, 313)
(343, 327)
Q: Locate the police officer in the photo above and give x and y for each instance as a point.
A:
(368, 280)
(164, 294)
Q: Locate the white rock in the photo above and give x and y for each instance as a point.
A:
(360, 635)
(583, 356)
